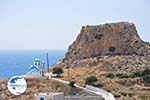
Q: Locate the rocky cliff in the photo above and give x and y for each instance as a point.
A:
(119, 38)
(113, 53)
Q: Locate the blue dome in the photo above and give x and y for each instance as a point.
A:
(33, 69)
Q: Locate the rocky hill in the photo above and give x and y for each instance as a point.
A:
(112, 49)
(107, 39)
(112, 44)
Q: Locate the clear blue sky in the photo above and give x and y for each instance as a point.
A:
(54, 24)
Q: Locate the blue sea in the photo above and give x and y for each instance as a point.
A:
(17, 62)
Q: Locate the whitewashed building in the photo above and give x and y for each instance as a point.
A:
(36, 70)
(49, 96)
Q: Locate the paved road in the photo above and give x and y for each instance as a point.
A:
(101, 92)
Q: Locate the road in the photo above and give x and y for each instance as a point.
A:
(101, 92)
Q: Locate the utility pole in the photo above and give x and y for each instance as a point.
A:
(47, 59)
(43, 68)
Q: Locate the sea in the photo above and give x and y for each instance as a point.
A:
(17, 62)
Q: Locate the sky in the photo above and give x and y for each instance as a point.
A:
(54, 24)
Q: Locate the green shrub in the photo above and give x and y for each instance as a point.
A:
(110, 75)
(136, 74)
(57, 70)
(140, 73)
(146, 72)
(71, 90)
(121, 75)
(72, 84)
(144, 97)
(146, 78)
(91, 80)
(118, 75)
(98, 84)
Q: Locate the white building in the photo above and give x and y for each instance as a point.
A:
(36, 70)
(49, 96)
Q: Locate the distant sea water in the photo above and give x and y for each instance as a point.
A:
(17, 62)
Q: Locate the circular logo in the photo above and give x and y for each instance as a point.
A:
(17, 85)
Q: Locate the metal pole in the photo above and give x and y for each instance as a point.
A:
(47, 58)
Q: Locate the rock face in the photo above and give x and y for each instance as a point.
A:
(119, 38)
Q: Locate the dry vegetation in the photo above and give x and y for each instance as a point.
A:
(122, 88)
(34, 86)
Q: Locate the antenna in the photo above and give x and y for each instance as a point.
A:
(47, 58)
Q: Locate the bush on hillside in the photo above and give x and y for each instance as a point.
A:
(90, 80)
(110, 75)
(121, 75)
(72, 84)
(141, 73)
(146, 78)
(71, 90)
(118, 75)
(58, 71)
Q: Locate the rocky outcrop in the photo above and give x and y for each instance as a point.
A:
(106, 39)
(105, 49)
